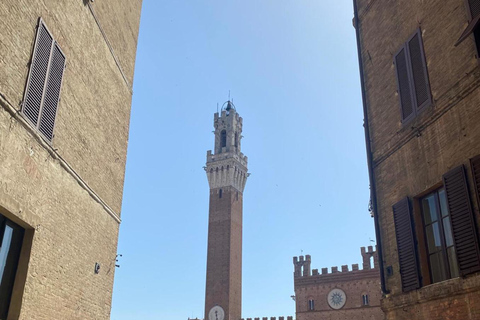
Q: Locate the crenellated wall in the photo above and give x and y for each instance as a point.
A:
(271, 318)
(302, 264)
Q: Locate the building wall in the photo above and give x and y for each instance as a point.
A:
(67, 194)
(410, 159)
(355, 283)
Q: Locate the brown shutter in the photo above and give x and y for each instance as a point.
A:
(38, 73)
(52, 92)
(474, 8)
(463, 225)
(404, 89)
(406, 245)
(475, 165)
(419, 71)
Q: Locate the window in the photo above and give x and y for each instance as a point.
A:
(11, 238)
(223, 139)
(451, 241)
(220, 193)
(412, 78)
(439, 238)
(473, 8)
(42, 92)
(311, 305)
(365, 299)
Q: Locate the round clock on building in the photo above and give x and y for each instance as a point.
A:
(336, 299)
(216, 313)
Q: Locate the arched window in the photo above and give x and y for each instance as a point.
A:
(223, 139)
(236, 139)
(311, 305)
(365, 299)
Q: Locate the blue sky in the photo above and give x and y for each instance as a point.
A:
(292, 70)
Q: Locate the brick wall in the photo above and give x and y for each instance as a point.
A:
(67, 194)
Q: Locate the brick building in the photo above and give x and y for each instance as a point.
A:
(66, 73)
(420, 80)
(341, 294)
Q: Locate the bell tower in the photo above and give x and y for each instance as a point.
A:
(227, 174)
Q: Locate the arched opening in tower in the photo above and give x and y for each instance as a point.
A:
(223, 139)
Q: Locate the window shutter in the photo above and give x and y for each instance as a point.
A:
(404, 89)
(406, 245)
(419, 71)
(38, 73)
(52, 92)
(474, 7)
(463, 225)
(475, 165)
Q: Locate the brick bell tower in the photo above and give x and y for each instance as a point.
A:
(227, 175)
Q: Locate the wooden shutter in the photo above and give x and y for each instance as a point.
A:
(38, 74)
(406, 245)
(52, 92)
(403, 82)
(474, 8)
(463, 225)
(419, 77)
(475, 165)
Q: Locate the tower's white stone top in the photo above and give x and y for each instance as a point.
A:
(228, 166)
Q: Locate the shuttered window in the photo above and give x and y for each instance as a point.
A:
(42, 92)
(473, 7)
(463, 225)
(475, 165)
(412, 77)
(406, 245)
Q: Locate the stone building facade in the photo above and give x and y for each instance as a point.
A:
(66, 74)
(420, 79)
(341, 294)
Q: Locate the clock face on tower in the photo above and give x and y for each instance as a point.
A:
(336, 299)
(216, 313)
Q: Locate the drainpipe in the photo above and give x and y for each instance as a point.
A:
(373, 194)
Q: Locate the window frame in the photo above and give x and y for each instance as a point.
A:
(311, 305)
(365, 301)
(444, 248)
(11, 267)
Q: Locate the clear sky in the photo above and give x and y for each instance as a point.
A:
(291, 67)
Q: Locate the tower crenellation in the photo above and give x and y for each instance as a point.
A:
(302, 265)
